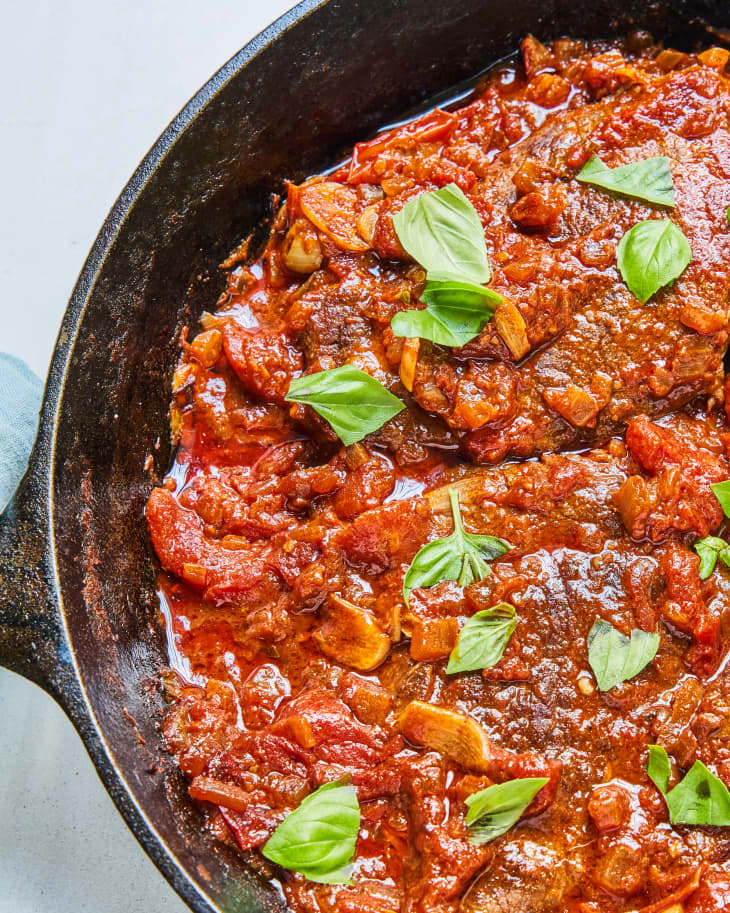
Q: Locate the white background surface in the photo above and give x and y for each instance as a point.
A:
(88, 85)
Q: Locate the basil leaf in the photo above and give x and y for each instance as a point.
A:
(651, 255)
(483, 639)
(658, 768)
(493, 811)
(353, 402)
(318, 838)
(721, 491)
(699, 798)
(710, 549)
(455, 313)
(461, 556)
(615, 658)
(441, 230)
(727, 215)
(649, 180)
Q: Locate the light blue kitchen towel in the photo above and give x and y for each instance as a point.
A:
(20, 400)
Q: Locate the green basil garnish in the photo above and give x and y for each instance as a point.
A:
(658, 768)
(493, 811)
(318, 838)
(649, 180)
(483, 639)
(441, 230)
(710, 549)
(461, 556)
(455, 313)
(615, 658)
(353, 402)
(651, 255)
(721, 491)
(699, 798)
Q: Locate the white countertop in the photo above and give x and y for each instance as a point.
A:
(88, 88)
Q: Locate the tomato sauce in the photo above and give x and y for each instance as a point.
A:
(581, 427)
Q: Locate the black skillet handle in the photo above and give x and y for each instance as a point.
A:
(32, 637)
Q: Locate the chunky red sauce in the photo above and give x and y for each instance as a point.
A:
(295, 659)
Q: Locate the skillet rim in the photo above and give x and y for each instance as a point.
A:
(55, 669)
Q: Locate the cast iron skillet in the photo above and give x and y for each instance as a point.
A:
(77, 603)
